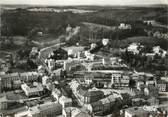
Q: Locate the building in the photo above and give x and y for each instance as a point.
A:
(88, 96)
(74, 112)
(105, 105)
(162, 85)
(3, 103)
(151, 91)
(65, 101)
(45, 80)
(89, 56)
(159, 51)
(135, 48)
(34, 90)
(0, 85)
(51, 64)
(69, 64)
(21, 114)
(136, 112)
(145, 111)
(56, 93)
(12, 80)
(46, 109)
(124, 26)
(120, 80)
(74, 51)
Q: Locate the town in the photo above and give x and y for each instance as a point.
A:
(99, 79)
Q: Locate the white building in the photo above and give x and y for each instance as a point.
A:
(46, 109)
(89, 56)
(136, 112)
(124, 26)
(51, 64)
(135, 48)
(74, 112)
(36, 89)
(56, 93)
(65, 101)
(105, 41)
(45, 80)
(159, 51)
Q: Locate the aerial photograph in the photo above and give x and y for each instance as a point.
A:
(83, 58)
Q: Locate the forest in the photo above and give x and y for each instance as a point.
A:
(21, 22)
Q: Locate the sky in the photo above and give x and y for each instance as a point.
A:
(85, 2)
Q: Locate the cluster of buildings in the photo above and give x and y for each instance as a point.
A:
(83, 84)
(136, 48)
(14, 80)
(124, 26)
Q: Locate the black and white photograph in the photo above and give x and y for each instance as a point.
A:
(83, 58)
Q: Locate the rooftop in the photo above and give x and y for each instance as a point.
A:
(136, 111)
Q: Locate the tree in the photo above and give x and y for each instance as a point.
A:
(132, 83)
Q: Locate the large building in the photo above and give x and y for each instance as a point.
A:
(88, 96)
(8, 81)
(34, 90)
(48, 109)
(74, 112)
(104, 105)
(145, 111)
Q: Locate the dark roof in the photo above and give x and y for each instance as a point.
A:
(82, 114)
(93, 93)
(60, 50)
(95, 104)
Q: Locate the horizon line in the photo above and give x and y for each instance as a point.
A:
(132, 5)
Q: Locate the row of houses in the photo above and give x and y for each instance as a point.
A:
(42, 110)
(84, 94)
(105, 105)
(13, 80)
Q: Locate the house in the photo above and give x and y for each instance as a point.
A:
(74, 112)
(45, 80)
(120, 80)
(50, 63)
(74, 51)
(32, 90)
(34, 52)
(16, 84)
(0, 85)
(106, 61)
(162, 85)
(56, 93)
(135, 48)
(88, 96)
(145, 111)
(136, 112)
(104, 105)
(151, 91)
(65, 101)
(13, 80)
(105, 42)
(46, 109)
(70, 63)
(124, 26)
(21, 114)
(158, 50)
(3, 103)
(89, 56)
(138, 101)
